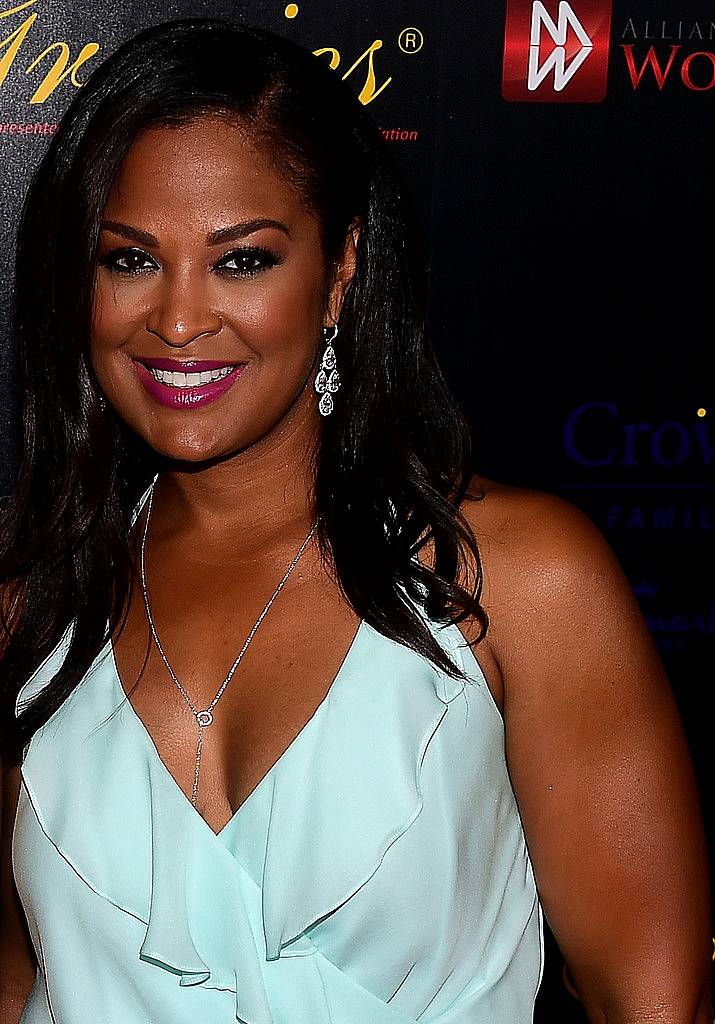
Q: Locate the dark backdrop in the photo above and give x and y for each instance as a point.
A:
(570, 240)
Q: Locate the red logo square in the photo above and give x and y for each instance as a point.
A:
(556, 52)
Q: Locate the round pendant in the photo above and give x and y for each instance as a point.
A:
(204, 718)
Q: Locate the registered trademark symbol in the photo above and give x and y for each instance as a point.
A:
(410, 40)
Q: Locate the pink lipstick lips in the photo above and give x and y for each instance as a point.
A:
(178, 393)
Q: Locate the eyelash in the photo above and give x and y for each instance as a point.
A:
(270, 259)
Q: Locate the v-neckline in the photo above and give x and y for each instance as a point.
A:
(117, 684)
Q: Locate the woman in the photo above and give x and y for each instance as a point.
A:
(272, 781)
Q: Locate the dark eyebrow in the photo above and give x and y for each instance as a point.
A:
(220, 237)
(243, 228)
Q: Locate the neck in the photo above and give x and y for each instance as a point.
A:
(257, 498)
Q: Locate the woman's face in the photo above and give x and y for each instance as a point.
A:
(190, 269)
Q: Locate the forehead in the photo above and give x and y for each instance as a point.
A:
(207, 170)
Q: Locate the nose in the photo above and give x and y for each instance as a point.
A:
(181, 314)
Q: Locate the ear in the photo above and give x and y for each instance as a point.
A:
(345, 270)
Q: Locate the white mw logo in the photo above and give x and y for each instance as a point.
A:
(563, 73)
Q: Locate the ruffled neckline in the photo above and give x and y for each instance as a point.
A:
(105, 800)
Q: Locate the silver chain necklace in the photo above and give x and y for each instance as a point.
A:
(205, 718)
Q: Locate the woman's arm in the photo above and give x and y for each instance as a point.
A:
(599, 763)
(17, 958)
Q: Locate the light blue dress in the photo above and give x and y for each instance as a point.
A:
(378, 874)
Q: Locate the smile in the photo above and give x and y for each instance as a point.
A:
(177, 379)
(175, 389)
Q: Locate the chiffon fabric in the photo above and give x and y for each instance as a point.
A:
(378, 874)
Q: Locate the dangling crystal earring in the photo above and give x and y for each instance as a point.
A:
(328, 380)
(102, 402)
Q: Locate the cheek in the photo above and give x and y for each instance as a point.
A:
(278, 318)
(114, 313)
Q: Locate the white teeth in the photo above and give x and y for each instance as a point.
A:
(176, 379)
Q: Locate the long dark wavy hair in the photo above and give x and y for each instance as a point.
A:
(393, 464)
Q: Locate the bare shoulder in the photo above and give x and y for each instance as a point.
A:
(548, 573)
(518, 525)
(536, 548)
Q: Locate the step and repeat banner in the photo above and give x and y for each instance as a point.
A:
(561, 155)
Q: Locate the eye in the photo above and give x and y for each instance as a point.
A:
(127, 261)
(248, 262)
